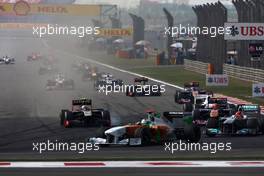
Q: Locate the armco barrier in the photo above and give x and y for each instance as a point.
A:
(196, 66)
(243, 73)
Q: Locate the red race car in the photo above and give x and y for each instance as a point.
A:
(34, 57)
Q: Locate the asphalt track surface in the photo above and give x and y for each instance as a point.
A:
(29, 113)
(136, 172)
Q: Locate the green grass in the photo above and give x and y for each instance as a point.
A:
(179, 76)
(124, 63)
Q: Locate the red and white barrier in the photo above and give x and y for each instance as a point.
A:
(132, 164)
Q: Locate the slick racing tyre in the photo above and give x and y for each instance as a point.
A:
(62, 116)
(106, 119)
(176, 97)
(192, 133)
(252, 124)
(65, 117)
(144, 134)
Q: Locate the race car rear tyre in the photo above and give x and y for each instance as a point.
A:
(67, 119)
(62, 116)
(196, 114)
(212, 123)
(252, 124)
(176, 97)
(187, 107)
(144, 134)
(106, 119)
(192, 133)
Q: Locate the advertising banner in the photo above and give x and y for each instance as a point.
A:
(258, 90)
(116, 32)
(245, 31)
(22, 8)
(20, 25)
(217, 80)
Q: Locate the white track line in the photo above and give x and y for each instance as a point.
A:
(133, 164)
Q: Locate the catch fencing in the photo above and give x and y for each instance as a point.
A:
(242, 73)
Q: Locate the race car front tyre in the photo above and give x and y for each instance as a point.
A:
(196, 114)
(144, 134)
(106, 119)
(192, 133)
(252, 124)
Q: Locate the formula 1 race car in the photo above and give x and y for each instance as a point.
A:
(60, 83)
(90, 74)
(34, 57)
(81, 67)
(7, 60)
(83, 113)
(247, 120)
(107, 82)
(153, 129)
(202, 113)
(140, 88)
(48, 69)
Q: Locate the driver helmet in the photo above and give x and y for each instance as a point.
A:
(238, 114)
(85, 108)
(214, 106)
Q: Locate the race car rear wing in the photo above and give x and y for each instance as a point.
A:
(191, 84)
(80, 102)
(141, 80)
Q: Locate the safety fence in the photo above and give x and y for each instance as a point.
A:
(242, 73)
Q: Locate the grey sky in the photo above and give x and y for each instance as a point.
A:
(128, 3)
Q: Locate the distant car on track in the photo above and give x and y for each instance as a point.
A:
(107, 81)
(60, 83)
(140, 88)
(34, 57)
(7, 60)
(83, 112)
(246, 120)
(48, 69)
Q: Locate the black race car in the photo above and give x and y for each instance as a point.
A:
(83, 113)
(140, 88)
(7, 60)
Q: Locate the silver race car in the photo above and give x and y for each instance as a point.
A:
(7, 60)
(60, 83)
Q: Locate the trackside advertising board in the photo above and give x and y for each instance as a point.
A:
(258, 90)
(118, 32)
(217, 80)
(245, 31)
(23, 8)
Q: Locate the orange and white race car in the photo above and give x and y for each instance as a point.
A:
(154, 129)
